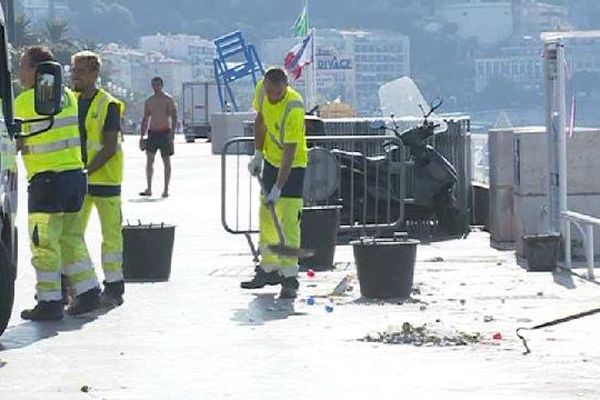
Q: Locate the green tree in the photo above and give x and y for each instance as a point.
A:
(24, 35)
(56, 32)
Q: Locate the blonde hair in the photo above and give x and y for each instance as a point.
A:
(92, 59)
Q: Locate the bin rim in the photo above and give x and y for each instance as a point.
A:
(383, 241)
(149, 226)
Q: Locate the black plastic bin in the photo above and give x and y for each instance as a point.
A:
(319, 233)
(147, 252)
(385, 267)
(541, 251)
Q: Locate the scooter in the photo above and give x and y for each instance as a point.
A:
(433, 178)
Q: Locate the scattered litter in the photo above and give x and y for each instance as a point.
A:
(416, 290)
(85, 388)
(311, 301)
(329, 307)
(310, 273)
(497, 336)
(541, 294)
(422, 307)
(462, 302)
(435, 334)
(343, 285)
(488, 318)
(499, 263)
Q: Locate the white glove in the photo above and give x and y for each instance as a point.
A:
(274, 195)
(255, 165)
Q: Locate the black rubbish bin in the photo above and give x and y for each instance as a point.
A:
(319, 228)
(147, 252)
(385, 267)
(541, 251)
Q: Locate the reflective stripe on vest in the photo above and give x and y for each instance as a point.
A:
(57, 149)
(51, 147)
(58, 123)
(111, 173)
(291, 106)
(97, 146)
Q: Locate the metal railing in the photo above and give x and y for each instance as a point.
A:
(580, 221)
(454, 145)
(370, 191)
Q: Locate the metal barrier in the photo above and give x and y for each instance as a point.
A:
(370, 190)
(454, 145)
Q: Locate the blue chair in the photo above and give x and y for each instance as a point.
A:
(235, 60)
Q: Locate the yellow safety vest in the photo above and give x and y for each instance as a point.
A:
(58, 149)
(276, 119)
(111, 173)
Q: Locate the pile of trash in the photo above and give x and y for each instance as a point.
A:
(435, 334)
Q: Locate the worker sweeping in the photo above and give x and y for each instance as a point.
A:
(281, 155)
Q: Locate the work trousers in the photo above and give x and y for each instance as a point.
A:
(109, 213)
(56, 233)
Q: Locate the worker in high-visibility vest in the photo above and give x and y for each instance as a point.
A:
(281, 154)
(100, 116)
(57, 186)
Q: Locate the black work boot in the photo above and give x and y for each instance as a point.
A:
(44, 311)
(85, 302)
(112, 296)
(262, 279)
(289, 288)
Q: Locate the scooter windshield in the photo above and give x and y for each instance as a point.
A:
(401, 99)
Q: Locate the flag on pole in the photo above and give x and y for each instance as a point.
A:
(299, 56)
(300, 28)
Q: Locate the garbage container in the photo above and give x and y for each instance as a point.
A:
(147, 252)
(319, 228)
(541, 251)
(385, 266)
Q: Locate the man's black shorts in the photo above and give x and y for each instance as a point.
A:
(160, 141)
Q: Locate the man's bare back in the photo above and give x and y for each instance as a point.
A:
(159, 110)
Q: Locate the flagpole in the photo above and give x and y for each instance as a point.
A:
(313, 71)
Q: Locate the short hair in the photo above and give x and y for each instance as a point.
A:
(158, 79)
(92, 59)
(276, 75)
(38, 54)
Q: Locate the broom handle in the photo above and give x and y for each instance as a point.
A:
(280, 233)
(271, 208)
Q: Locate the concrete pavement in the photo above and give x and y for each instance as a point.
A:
(198, 336)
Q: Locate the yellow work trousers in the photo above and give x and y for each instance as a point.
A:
(57, 244)
(289, 213)
(109, 212)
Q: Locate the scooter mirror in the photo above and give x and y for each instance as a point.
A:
(377, 124)
(435, 104)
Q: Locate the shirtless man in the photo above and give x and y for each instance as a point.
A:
(160, 122)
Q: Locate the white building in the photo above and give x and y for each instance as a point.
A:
(122, 63)
(521, 62)
(192, 49)
(39, 10)
(488, 21)
(173, 73)
(351, 65)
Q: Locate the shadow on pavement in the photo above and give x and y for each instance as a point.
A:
(28, 333)
(564, 278)
(147, 199)
(263, 308)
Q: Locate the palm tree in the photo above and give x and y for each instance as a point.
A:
(24, 35)
(56, 32)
